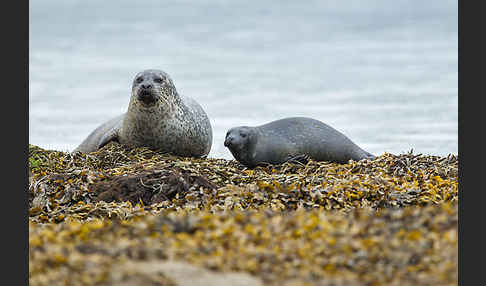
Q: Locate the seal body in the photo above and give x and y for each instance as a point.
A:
(158, 118)
(289, 138)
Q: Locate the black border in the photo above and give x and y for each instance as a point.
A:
(15, 135)
(471, 151)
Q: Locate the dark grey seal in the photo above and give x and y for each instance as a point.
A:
(291, 139)
(158, 118)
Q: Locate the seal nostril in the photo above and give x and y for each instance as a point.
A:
(146, 86)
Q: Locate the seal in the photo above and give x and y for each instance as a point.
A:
(158, 118)
(291, 138)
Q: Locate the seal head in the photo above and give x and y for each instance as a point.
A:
(241, 142)
(151, 89)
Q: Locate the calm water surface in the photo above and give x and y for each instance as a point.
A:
(382, 72)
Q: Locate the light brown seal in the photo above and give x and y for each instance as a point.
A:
(158, 118)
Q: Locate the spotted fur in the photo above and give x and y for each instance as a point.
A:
(172, 123)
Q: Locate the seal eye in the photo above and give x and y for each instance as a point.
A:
(158, 80)
(243, 135)
(139, 80)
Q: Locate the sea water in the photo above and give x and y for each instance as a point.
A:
(384, 73)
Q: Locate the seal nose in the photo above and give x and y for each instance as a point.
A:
(146, 86)
(228, 141)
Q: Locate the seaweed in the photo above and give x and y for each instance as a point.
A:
(390, 221)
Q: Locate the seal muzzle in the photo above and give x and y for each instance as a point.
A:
(147, 96)
(228, 141)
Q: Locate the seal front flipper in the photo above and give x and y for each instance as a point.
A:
(111, 135)
(101, 135)
(299, 159)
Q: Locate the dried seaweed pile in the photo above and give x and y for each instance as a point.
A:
(390, 221)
